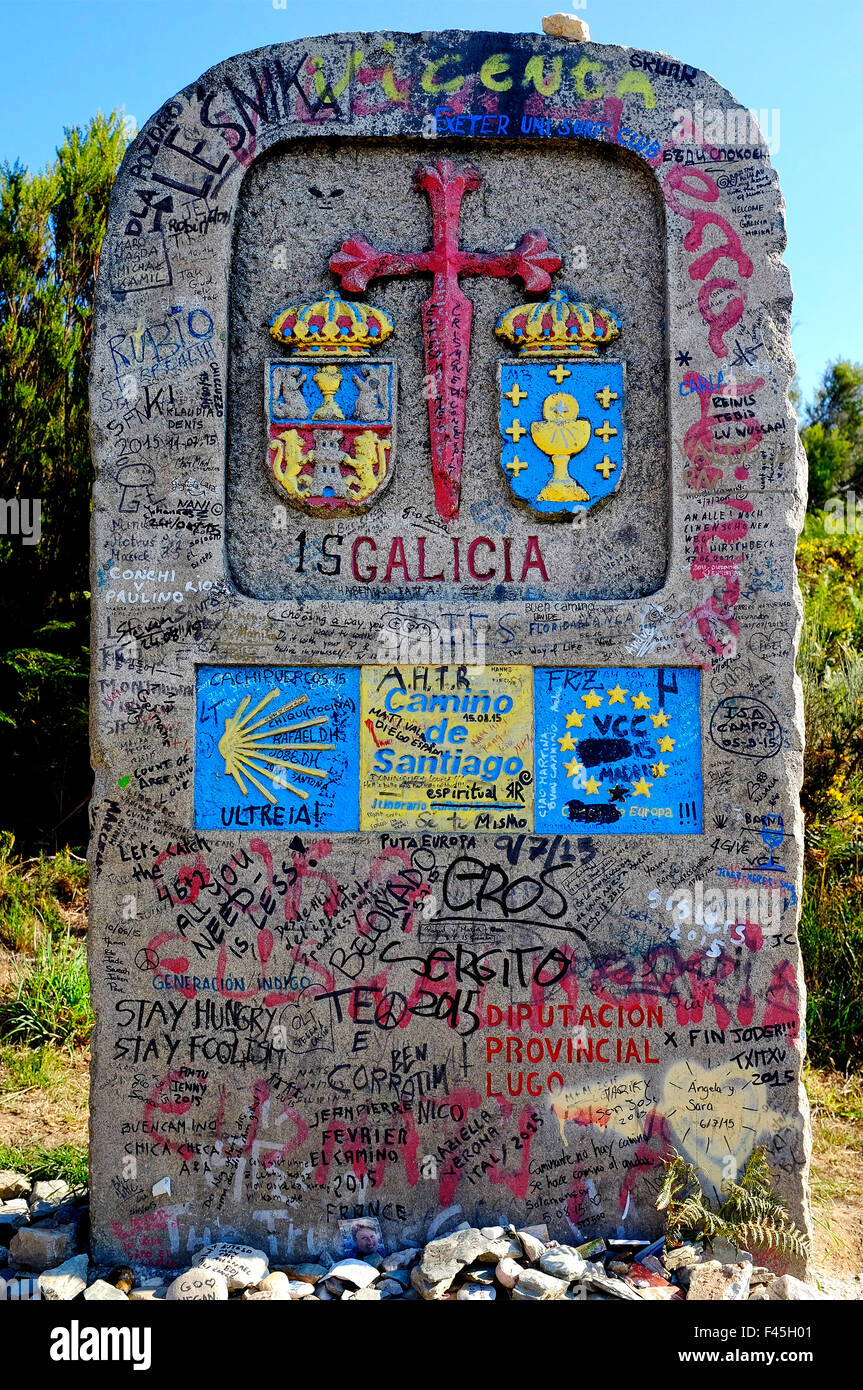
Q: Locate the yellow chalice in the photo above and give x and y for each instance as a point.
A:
(561, 434)
(329, 379)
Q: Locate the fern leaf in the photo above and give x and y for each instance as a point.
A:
(763, 1235)
(756, 1175)
(752, 1214)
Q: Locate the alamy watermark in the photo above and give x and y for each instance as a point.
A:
(723, 127)
(21, 1288)
(22, 516)
(426, 645)
(716, 910)
(843, 516)
(77, 1343)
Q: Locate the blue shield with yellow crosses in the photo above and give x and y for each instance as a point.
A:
(561, 429)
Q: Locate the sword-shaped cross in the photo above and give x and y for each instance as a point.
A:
(447, 313)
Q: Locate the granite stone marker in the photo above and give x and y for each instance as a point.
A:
(446, 839)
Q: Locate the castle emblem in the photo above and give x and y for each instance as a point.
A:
(330, 410)
(561, 408)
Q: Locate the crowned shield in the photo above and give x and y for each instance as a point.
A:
(330, 410)
(561, 406)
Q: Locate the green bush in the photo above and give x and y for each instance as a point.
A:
(51, 227)
(833, 433)
(43, 740)
(830, 664)
(52, 1001)
(831, 939)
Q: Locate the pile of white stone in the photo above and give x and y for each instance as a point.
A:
(43, 1255)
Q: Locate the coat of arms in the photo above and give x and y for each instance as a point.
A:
(330, 410)
(561, 409)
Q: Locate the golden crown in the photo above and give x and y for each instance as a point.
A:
(332, 325)
(558, 325)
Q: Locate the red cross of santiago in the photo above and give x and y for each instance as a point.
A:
(447, 313)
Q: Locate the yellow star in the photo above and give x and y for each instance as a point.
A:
(591, 786)
(616, 696)
(641, 788)
(660, 720)
(566, 743)
(574, 720)
(592, 700)
(640, 701)
(573, 767)
(659, 769)
(666, 745)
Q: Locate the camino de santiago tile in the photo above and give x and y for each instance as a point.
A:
(446, 850)
(276, 747)
(618, 750)
(441, 750)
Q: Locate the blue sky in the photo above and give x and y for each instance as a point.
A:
(61, 60)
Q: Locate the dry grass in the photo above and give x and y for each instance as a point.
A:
(837, 1170)
(44, 1097)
